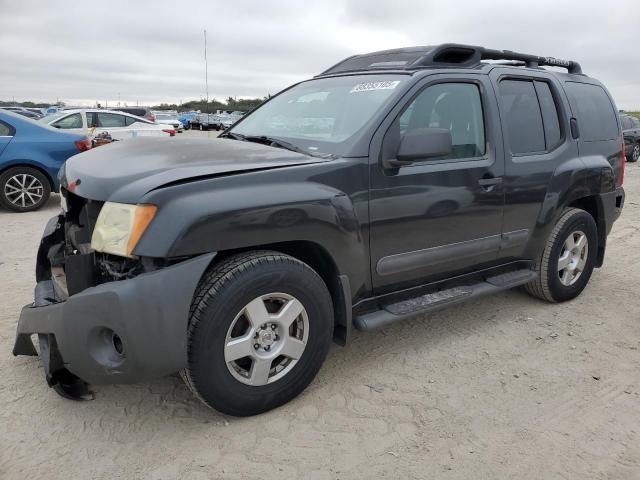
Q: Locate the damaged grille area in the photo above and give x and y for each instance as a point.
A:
(66, 262)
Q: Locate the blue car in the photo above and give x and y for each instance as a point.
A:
(31, 153)
(186, 119)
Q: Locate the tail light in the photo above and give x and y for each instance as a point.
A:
(623, 161)
(83, 145)
(151, 117)
(170, 131)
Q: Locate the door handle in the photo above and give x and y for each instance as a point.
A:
(489, 182)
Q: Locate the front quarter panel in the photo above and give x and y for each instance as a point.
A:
(267, 207)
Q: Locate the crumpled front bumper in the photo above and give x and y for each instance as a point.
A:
(116, 332)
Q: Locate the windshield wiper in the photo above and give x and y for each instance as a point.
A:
(276, 142)
(235, 136)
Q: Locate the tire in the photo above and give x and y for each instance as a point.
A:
(222, 302)
(634, 155)
(36, 193)
(554, 284)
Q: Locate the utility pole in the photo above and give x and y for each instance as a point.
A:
(206, 69)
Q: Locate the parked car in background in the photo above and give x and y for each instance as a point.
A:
(205, 121)
(25, 112)
(631, 134)
(143, 112)
(169, 118)
(120, 125)
(187, 118)
(31, 153)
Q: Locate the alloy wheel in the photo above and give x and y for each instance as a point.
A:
(266, 339)
(573, 258)
(635, 154)
(24, 190)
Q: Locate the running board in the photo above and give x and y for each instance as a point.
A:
(430, 302)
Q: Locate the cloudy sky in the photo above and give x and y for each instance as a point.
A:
(152, 51)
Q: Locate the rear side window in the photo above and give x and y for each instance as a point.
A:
(71, 121)
(635, 122)
(110, 120)
(626, 123)
(129, 121)
(523, 116)
(594, 111)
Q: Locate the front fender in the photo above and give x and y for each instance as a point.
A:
(227, 213)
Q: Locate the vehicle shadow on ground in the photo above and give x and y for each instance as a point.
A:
(169, 401)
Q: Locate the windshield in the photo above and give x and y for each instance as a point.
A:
(322, 115)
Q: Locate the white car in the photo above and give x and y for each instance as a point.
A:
(169, 118)
(119, 125)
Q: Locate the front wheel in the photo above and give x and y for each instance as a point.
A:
(567, 261)
(23, 189)
(260, 327)
(635, 153)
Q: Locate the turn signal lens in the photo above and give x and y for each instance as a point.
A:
(141, 220)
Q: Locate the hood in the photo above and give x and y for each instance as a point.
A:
(126, 171)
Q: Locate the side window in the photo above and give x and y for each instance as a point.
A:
(635, 122)
(6, 130)
(550, 118)
(626, 123)
(70, 121)
(594, 111)
(129, 121)
(110, 120)
(523, 116)
(454, 106)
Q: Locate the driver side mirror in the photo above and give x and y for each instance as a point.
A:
(420, 144)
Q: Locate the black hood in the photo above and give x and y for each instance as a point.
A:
(125, 171)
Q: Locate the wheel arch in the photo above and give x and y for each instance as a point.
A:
(52, 183)
(320, 260)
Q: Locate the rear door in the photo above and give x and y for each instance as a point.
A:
(535, 127)
(6, 135)
(438, 216)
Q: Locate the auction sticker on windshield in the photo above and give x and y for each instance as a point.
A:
(366, 87)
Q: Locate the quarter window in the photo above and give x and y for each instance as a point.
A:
(454, 106)
(594, 111)
(70, 121)
(5, 130)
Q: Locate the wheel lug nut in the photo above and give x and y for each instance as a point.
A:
(263, 326)
(273, 326)
(267, 348)
(256, 346)
(277, 338)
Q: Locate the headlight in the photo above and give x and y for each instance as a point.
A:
(120, 226)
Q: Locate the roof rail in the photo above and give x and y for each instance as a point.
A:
(445, 55)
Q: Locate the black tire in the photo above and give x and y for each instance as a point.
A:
(548, 285)
(222, 294)
(634, 154)
(42, 193)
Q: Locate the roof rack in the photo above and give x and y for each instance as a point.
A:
(445, 55)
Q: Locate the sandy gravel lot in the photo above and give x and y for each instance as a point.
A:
(504, 387)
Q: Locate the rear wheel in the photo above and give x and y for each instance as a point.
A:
(567, 261)
(23, 189)
(260, 327)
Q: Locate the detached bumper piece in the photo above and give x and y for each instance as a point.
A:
(114, 332)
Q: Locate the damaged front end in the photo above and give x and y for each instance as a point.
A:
(102, 318)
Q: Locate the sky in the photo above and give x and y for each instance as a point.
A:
(147, 52)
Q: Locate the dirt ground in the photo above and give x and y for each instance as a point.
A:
(504, 387)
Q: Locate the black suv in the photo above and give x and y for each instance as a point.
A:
(391, 185)
(631, 134)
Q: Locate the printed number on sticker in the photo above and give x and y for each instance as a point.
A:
(365, 87)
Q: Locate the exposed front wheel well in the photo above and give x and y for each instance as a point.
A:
(594, 207)
(321, 261)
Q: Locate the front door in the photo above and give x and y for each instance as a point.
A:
(440, 216)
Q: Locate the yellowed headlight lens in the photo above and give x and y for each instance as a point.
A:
(120, 226)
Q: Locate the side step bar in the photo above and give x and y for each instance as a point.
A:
(431, 302)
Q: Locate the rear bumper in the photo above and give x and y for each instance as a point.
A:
(116, 332)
